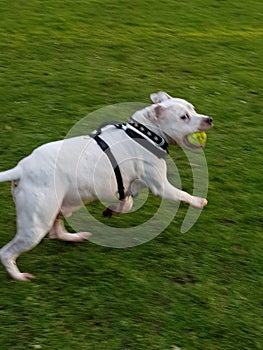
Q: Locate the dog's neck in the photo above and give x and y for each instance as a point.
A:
(148, 118)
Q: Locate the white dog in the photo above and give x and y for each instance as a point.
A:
(114, 162)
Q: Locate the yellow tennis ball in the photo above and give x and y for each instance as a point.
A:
(197, 139)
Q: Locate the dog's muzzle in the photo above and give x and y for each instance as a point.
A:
(206, 124)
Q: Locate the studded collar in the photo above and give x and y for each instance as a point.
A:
(158, 140)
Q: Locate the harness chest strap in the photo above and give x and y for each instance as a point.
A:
(105, 147)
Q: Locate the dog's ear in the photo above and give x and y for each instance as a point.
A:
(159, 111)
(160, 97)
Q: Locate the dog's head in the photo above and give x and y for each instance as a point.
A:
(176, 118)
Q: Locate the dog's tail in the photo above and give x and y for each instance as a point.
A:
(10, 175)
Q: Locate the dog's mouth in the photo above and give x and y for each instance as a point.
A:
(197, 140)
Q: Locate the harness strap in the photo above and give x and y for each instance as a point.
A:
(105, 148)
(158, 146)
(160, 141)
(158, 152)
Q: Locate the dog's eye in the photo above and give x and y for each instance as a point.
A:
(185, 117)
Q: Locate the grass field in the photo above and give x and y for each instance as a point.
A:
(201, 290)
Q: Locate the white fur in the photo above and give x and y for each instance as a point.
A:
(59, 177)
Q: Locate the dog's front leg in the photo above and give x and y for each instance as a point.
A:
(168, 191)
(156, 180)
(124, 206)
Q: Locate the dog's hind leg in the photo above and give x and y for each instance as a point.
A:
(58, 231)
(26, 239)
(34, 220)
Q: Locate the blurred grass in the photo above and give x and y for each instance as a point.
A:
(60, 60)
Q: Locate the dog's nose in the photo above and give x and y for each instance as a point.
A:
(209, 120)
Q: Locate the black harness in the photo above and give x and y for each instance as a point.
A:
(158, 146)
(105, 147)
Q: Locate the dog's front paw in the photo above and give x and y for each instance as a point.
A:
(23, 277)
(198, 202)
(107, 213)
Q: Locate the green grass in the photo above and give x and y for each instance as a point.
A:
(202, 290)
